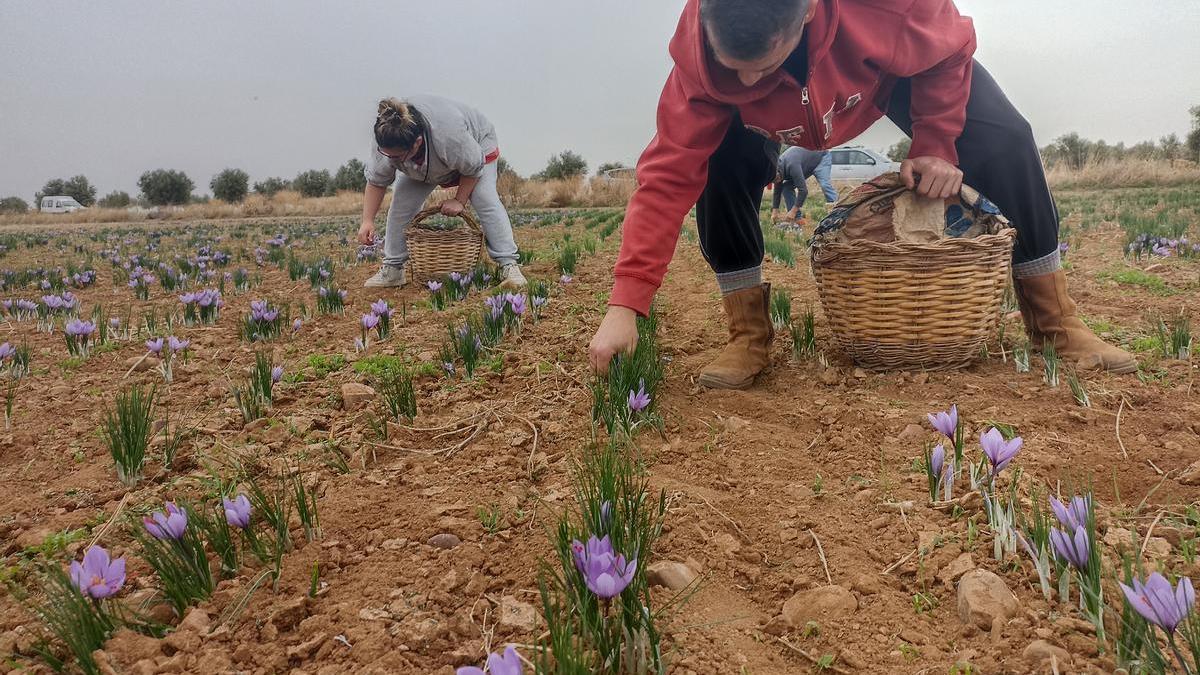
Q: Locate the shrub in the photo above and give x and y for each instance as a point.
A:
(116, 199)
(161, 187)
(268, 187)
(230, 185)
(313, 183)
(13, 205)
(350, 176)
(566, 164)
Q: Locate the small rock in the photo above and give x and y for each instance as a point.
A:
(860, 374)
(670, 574)
(912, 433)
(983, 597)
(866, 583)
(126, 646)
(818, 604)
(356, 395)
(444, 540)
(957, 567)
(1118, 538)
(518, 615)
(196, 620)
(1158, 548)
(735, 424)
(831, 377)
(1040, 651)
(1191, 475)
(140, 365)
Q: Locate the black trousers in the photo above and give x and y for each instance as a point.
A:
(996, 152)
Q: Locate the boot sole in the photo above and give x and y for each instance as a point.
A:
(716, 383)
(384, 285)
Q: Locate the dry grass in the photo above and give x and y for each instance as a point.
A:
(1126, 173)
(515, 192)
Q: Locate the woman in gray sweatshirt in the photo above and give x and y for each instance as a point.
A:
(432, 141)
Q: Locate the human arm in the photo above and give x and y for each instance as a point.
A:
(935, 49)
(455, 205)
(372, 199)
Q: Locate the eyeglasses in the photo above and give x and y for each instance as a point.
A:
(399, 158)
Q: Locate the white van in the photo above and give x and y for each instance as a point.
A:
(59, 204)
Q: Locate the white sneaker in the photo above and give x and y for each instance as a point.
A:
(511, 277)
(388, 276)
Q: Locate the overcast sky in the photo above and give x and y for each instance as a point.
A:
(110, 89)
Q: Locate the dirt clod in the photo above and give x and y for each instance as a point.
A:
(819, 604)
(670, 574)
(984, 597)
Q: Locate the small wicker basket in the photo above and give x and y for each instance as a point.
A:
(914, 306)
(435, 252)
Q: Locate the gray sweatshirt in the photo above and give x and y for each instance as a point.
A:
(796, 164)
(458, 143)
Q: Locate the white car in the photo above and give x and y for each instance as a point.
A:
(858, 164)
(59, 204)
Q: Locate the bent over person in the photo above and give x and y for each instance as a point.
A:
(432, 141)
(751, 74)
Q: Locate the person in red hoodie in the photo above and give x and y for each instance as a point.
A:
(750, 75)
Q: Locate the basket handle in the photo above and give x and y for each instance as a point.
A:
(466, 217)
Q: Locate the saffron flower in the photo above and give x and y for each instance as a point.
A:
(177, 345)
(606, 513)
(508, 664)
(565, 279)
(434, 286)
(999, 451)
(369, 321)
(517, 303)
(77, 328)
(169, 524)
(7, 351)
(276, 374)
(1158, 603)
(380, 307)
(237, 511)
(605, 572)
(1073, 514)
(945, 422)
(640, 399)
(937, 460)
(99, 576)
(296, 325)
(1073, 549)
(155, 345)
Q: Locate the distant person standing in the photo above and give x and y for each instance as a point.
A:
(432, 141)
(796, 164)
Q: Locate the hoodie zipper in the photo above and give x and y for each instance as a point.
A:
(806, 100)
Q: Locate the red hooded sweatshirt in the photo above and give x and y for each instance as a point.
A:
(857, 51)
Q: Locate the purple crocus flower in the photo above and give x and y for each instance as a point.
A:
(1073, 514)
(1073, 549)
(945, 422)
(78, 328)
(517, 303)
(269, 315)
(508, 664)
(565, 279)
(999, 451)
(114, 322)
(540, 301)
(937, 460)
(605, 572)
(189, 298)
(276, 374)
(169, 524)
(606, 513)
(1158, 603)
(342, 295)
(99, 576)
(370, 321)
(155, 345)
(177, 345)
(296, 325)
(257, 307)
(448, 366)
(380, 307)
(237, 511)
(7, 351)
(640, 399)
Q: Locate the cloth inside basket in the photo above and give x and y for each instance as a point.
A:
(884, 210)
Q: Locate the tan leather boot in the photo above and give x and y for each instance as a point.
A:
(1049, 314)
(750, 334)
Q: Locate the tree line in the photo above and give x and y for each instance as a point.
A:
(170, 187)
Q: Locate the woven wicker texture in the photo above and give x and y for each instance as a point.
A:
(907, 306)
(435, 252)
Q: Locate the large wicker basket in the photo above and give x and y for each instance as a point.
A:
(435, 252)
(901, 305)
